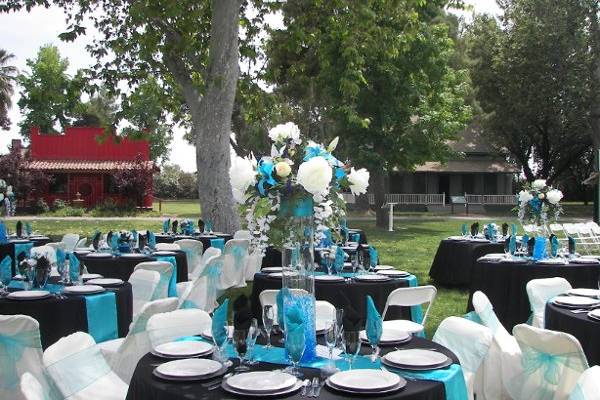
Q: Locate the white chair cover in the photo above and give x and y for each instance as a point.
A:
(165, 269)
(123, 354)
(253, 264)
(242, 234)
(198, 293)
(588, 385)
(539, 292)
(324, 311)
(407, 297)
(32, 389)
(81, 243)
(167, 247)
(166, 327)
(143, 285)
(70, 240)
(235, 258)
(469, 341)
(79, 370)
(207, 255)
(498, 367)
(193, 252)
(20, 351)
(47, 251)
(552, 363)
(56, 245)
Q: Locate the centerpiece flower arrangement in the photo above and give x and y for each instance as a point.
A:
(299, 177)
(538, 203)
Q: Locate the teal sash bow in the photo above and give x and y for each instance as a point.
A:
(172, 280)
(11, 351)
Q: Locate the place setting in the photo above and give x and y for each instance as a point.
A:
(83, 289)
(262, 384)
(416, 360)
(183, 349)
(105, 282)
(366, 382)
(29, 295)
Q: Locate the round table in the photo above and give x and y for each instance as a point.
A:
(504, 284)
(454, 259)
(59, 317)
(145, 386)
(584, 328)
(334, 292)
(122, 267)
(205, 239)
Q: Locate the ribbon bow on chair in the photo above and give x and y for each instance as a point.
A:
(11, 351)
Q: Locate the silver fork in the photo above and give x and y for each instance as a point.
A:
(313, 387)
(318, 392)
(305, 385)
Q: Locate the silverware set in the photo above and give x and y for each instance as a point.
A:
(312, 388)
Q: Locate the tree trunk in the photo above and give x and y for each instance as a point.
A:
(380, 188)
(595, 107)
(212, 120)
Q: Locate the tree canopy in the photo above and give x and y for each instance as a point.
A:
(8, 74)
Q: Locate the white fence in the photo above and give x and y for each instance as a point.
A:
(437, 199)
(493, 199)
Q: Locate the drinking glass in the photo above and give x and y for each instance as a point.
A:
(241, 346)
(253, 333)
(331, 339)
(295, 345)
(220, 337)
(268, 319)
(339, 318)
(352, 340)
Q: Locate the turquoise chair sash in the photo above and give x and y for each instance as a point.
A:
(11, 351)
(172, 280)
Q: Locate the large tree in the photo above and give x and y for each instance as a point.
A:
(376, 73)
(7, 77)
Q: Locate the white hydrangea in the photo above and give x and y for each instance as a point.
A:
(242, 175)
(525, 196)
(554, 196)
(538, 184)
(282, 132)
(359, 181)
(315, 175)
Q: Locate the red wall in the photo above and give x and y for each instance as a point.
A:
(80, 143)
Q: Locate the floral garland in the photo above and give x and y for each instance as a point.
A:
(538, 200)
(290, 175)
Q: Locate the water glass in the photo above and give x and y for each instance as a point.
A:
(241, 346)
(220, 337)
(253, 333)
(339, 318)
(352, 346)
(268, 319)
(295, 345)
(331, 339)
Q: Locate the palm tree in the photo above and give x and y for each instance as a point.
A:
(7, 77)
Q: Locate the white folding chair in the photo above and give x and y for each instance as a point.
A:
(166, 327)
(199, 293)
(269, 297)
(588, 385)
(408, 297)
(235, 258)
(324, 313)
(20, 351)
(47, 251)
(559, 231)
(242, 234)
(81, 243)
(143, 285)
(207, 255)
(539, 292)
(123, 354)
(167, 247)
(193, 253)
(552, 363)
(79, 370)
(572, 230)
(70, 240)
(497, 368)
(469, 341)
(165, 269)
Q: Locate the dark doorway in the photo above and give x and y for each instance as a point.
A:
(444, 184)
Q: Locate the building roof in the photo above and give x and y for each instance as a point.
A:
(472, 141)
(465, 166)
(82, 165)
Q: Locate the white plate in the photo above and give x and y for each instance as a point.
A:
(590, 256)
(371, 278)
(276, 275)
(393, 272)
(261, 381)
(366, 392)
(133, 255)
(416, 358)
(105, 281)
(552, 261)
(594, 314)
(208, 332)
(329, 278)
(164, 253)
(83, 289)
(593, 293)
(575, 301)
(383, 267)
(98, 255)
(389, 336)
(493, 256)
(189, 368)
(456, 238)
(183, 348)
(581, 260)
(86, 277)
(365, 380)
(479, 240)
(28, 295)
(81, 252)
(279, 393)
(271, 269)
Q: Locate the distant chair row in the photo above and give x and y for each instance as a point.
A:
(585, 234)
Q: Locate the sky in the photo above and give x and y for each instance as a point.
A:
(23, 33)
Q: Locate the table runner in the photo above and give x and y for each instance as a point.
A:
(172, 290)
(102, 316)
(219, 243)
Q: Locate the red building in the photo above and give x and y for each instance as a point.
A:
(79, 163)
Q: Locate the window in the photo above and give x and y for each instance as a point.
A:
(109, 184)
(490, 184)
(58, 183)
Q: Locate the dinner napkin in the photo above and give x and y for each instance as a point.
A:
(142, 241)
(74, 269)
(374, 325)
(504, 229)
(28, 229)
(174, 227)
(241, 313)
(464, 230)
(166, 225)
(19, 229)
(475, 229)
(219, 320)
(512, 244)
(6, 270)
(279, 300)
(524, 240)
(373, 257)
(3, 238)
(151, 240)
(571, 245)
(60, 259)
(208, 227)
(351, 319)
(134, 236)
(114, 242)
(109, 236)
(200, 225)
(553, 245)
(96, 240)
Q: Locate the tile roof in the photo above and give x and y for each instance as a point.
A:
(82, 165)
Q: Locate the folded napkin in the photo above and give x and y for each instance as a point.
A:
(539, 248)
(60, 260)
(295, 342)
(200, 225)
(373, 257)
(19, 229)
(28, 229)
(3, 237)
(242, 316)
(174, 227)
(134, 236)
(208, 226)
(6, 270)
(554, 245)
(151, 240)
(512, 244)
(374, 325)
(571, 245)
(525, 240)
(513, 229)
(142, 241)
(474, 229)
(463, 230)
(166, 224)
(74, 268)
(219, 324)
(351, 319)
(96, 240)
(114, 242)
(109, 236)
(504, 229)
(279, 299)
(338, 263)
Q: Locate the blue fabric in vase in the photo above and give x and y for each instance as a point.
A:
(338, 263)
(218, 243)
(6, 270)
(373, 257)
(74, 268)
(23, 248)
(539, 248)
(102, 316)
(172, 291)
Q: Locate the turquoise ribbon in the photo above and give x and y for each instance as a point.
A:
(265, 169)
(11, 351)
(578, 393)
(172, 290)
(473, 317)
(74, 268)
(6, 270)
(238, 253)
(416, 312)
(23, 248)
(101, 312)
(218, 243)
(318, 151)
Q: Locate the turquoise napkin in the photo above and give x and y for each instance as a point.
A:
(513, 229)
(166, 225)
(338, 263)
(554, 245)
(6, 270)
(24, 248)
(295, 342)
(114, 242)
(355, 237)
(512, 244)
(464, 230)
(219, 320)
(101, 312)
(279, 300)
(74, 269)
(374, 325)
(571, 245)
(539, 248)
(525, 240)
(373, 256)
(208, 227)
(60, 260)
(151, 240)
(218, 243)
(28, 229)
(3, 238)
(134, 235)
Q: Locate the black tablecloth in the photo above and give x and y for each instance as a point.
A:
(161, 238)
(145, 386)
(61, 317)
(504, 284)
(39, 240)
(354, 291)
(122, 268)
(454, 260)
(585, 329)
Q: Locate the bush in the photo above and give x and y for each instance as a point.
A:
(68, 211)
(109, 208)
(41, 206)
(58, 204)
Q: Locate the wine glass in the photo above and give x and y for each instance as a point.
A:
(295, 345)
(331, 339)
(339, 319)
(253, 333)
(240, 342)
(268, 319)
(352, 346)
(220, 335)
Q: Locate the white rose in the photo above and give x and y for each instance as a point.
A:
(554, 196)
(283, 169)
(538, 184)
(241, 175)
(315, 175)
(359, 181)
(525, 196)
(541, 196)
(282, 132)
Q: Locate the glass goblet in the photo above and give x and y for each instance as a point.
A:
(295, 344)
(352, 341)
(268, 319)
(253, 333)
(240, 342)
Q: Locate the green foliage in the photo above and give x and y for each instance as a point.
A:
(65, 211)
(173, 183)
(41, 206)
(7, 76)
(100, 110)
(111, 208)
(58, 204)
